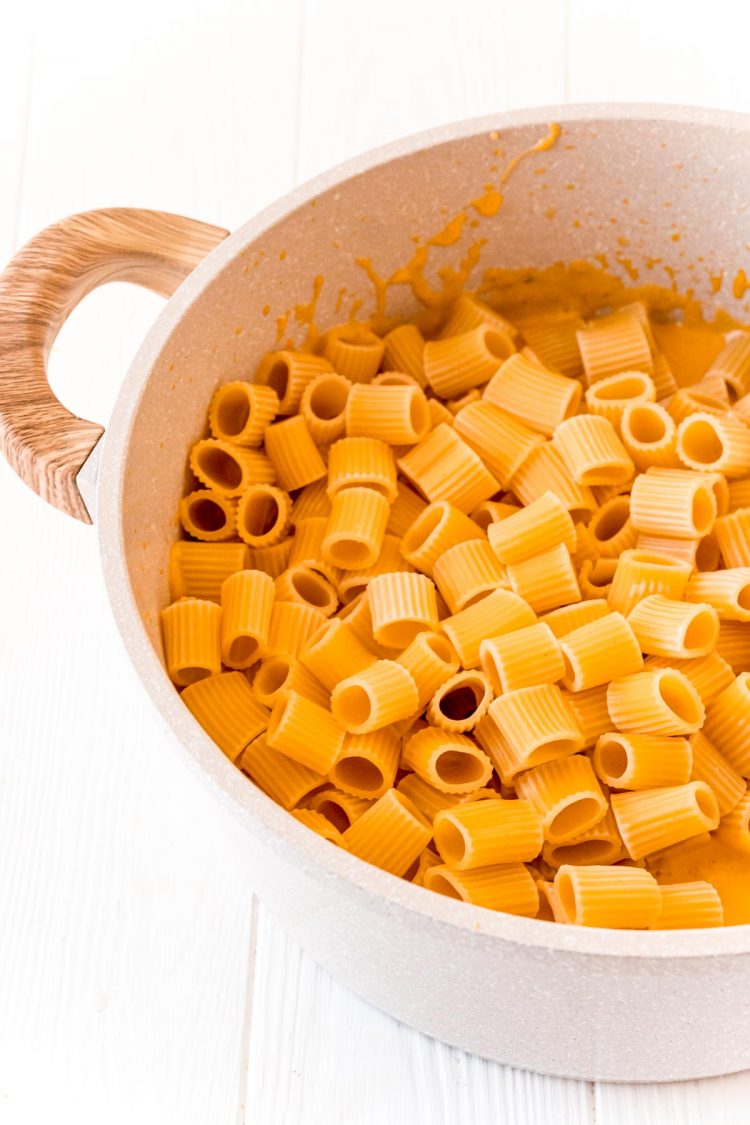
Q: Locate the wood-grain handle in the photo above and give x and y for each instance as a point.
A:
(42, 441)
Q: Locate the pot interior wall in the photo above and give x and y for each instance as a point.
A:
(660, 199)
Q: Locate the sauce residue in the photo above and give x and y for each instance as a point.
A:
(709, 858)
(740, 285)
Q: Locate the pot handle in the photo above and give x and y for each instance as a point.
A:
(43, 442)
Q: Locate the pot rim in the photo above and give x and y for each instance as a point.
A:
(375, 889)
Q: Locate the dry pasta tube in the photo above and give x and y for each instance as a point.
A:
(735, 826)
(592, 452)
(642, 761)
(590, 712)
(208, 515)
(306, 548)
(611, 530)
(508, 887)
(599, 844)
(733, 537)
(306, 732)
(427, 859)
(664, 380)
(377, 696)
(436, 529)
(367, 765)
(227, 710)
(709, 441)
(429, 800)
(617, 898)
(538, 398)
(548, 909)
(694, 400)
(567, 796)
(460, 702)
(640, 573)
(481, 833)
(273, 561)
(733, 644)
(459, 362)
(499, 613)
(352, 583)
(467, 572)
(543, 524)
(727, 720)
(547, 580)
(390, 835)
(699, 554)
(501, 441)
(263, 515)
(397, 415)
(293, 453)
(404, 510)
(657, 702)
(283, 780)
(312, 501)
(278, 675)
(728, 591)
(354, 351)
(449, 762)
(536, 726)
(340, 809)
(334, 652)
(192, 640)
(649, 435)
(229, 469)
(672, 502)
(605, 649)
(595, 578)
(665, 627)
(493, 511)
(739, 494)
(553, 339)
(439, 413)
(197, 570)
(443, 467)
(468, 312)
(246, 604)
(544, 471)
(610, 397)
(292, 624)
(301, 584)
(356, 614)
(402, 605)
(653, 819)
(733, 363)
(612, 344)
(356, 527)
(320, 825)
(323, 406)
(404, 351)
(239, 412)
(569, 617)
(288, 373)
(431, 660)
(361, 461)
(713, 768)
(689, 906)
(522, 658)
(709, 674)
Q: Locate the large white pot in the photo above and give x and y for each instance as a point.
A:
(584, 1003)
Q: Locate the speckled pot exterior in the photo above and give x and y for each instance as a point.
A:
(561, 1000)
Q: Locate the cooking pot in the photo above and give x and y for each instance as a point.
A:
(594, 1004)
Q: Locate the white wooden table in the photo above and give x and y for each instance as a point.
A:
(139, 980)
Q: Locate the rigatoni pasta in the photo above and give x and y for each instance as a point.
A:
(419, 577)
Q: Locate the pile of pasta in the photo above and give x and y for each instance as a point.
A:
(476, 608)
